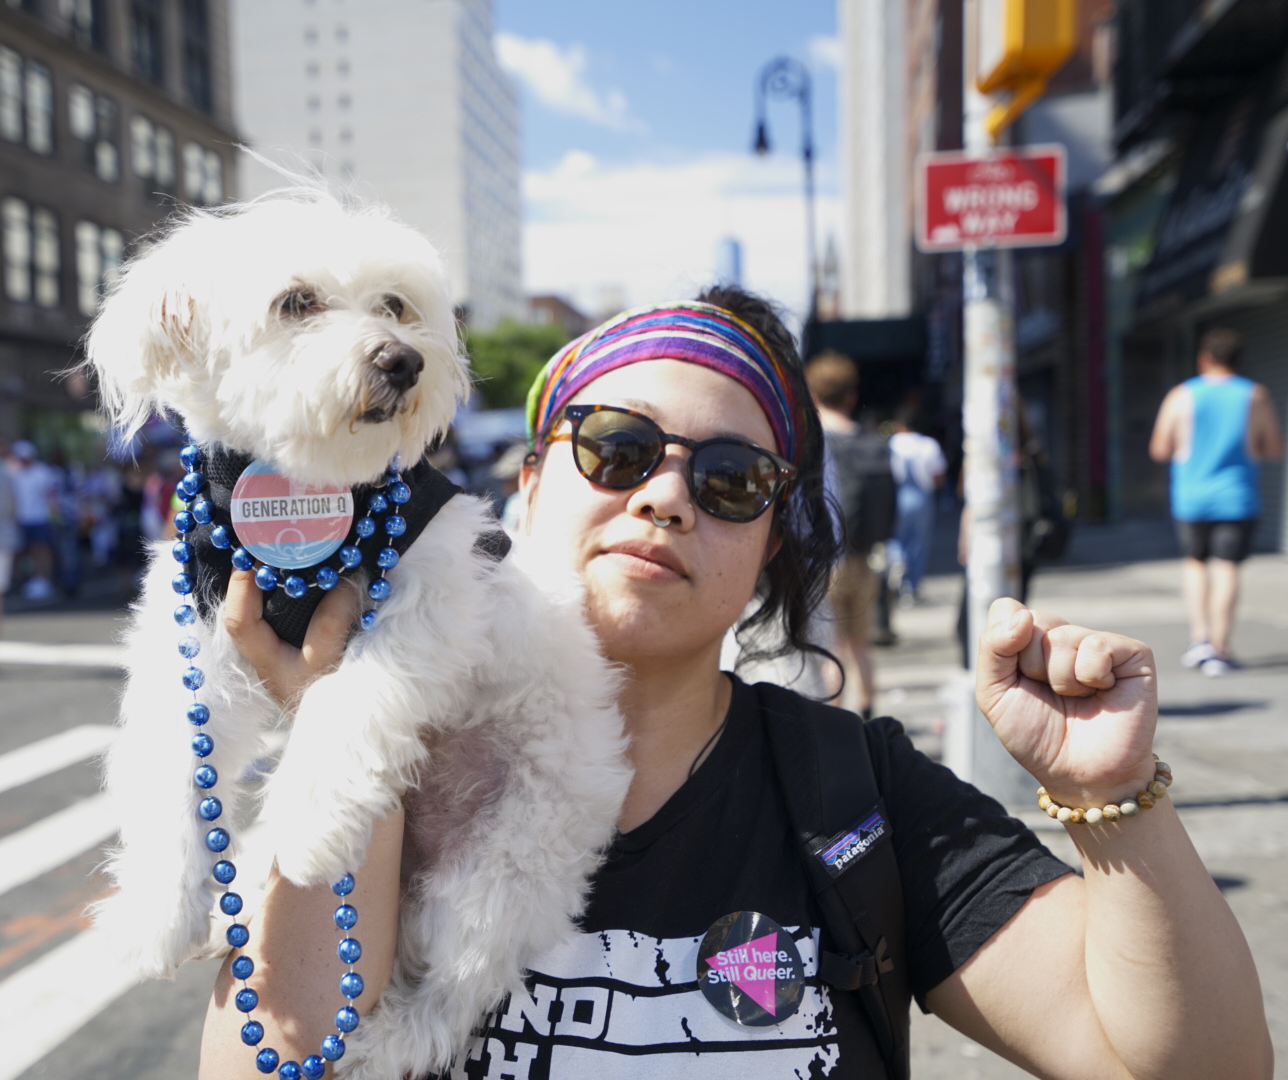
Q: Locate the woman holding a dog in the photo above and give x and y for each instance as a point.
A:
(677, 462)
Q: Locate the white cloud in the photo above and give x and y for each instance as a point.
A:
(824, 51)
(650, 231)
(556, 77)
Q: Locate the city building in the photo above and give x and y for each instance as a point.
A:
(1196, 222)
(556, 311)
(903, 97)
(111, 111)
(1059, 291)
(875, 275)
(402, 101)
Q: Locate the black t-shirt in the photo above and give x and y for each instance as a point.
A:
(622, 999)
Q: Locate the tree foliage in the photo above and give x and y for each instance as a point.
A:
(507, 358)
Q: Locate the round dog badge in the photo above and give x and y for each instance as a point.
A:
(287, 524)
(750, 970)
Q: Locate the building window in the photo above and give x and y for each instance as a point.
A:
(203, 175)
(342, 67)
(311, 70)
(196, 53)
(341, 34)
(344, 101)
(40, 108)
(164, 175)
(17, 250)
(98, 256)
(45, 258)
(31, 261)
(151, 156)
(145, 32)
(86, 20)
(94, 124)
(26, 102)
(143, 146)
(10, 95)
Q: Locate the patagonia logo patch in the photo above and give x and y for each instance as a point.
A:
(843, 849)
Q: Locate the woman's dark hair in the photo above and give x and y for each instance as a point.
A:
(796, 578)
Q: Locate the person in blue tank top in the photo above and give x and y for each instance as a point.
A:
(1214, 429)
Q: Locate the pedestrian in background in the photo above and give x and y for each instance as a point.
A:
(34, 490)
(864, 490)
(10, 537)
(918, 463)
(1214, 428)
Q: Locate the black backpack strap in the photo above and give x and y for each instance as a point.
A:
(825, 769)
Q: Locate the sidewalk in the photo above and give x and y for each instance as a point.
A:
(1225, 738)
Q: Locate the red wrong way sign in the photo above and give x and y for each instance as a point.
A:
(1012, 198)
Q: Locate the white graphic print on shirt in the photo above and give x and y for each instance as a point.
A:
(617, 1003)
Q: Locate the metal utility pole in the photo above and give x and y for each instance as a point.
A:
(1010, 47)
(788, 78)
(990, 424)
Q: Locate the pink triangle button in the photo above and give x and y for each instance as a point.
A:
(749, 969)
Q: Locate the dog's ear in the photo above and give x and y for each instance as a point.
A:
(150, 328)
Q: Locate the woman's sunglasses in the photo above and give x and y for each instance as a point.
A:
(730, 479)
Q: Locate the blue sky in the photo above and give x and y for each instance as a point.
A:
(638, 120)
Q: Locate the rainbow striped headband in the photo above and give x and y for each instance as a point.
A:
(699, 333)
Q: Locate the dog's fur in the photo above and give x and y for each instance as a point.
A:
(480, 693)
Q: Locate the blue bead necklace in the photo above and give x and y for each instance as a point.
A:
(199, 511)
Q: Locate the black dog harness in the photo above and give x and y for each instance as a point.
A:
(289, 617)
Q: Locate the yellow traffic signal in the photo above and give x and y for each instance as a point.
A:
(1019, 45)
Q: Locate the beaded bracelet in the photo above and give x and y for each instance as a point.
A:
(1144, 800)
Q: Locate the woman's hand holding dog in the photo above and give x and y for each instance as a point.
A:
(286, 671)
(1076, 707)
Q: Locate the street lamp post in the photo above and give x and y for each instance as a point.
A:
(788, 78)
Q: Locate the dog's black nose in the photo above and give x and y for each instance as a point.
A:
(400, 364)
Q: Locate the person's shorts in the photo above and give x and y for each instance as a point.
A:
(36, 534)
(1227, 540)
(852, 593)
(6, 571)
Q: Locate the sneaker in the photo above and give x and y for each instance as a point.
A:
(37, 589)
(1197, 654)
(1216, 666)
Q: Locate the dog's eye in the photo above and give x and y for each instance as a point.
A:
(394, 306)
(298, 302)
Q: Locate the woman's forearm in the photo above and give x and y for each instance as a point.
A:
(293, 943)
(1168, 969)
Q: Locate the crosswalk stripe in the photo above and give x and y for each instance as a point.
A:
(51, 998)
(49, 843)
(46, 756)
(58, 994)
(34, 652)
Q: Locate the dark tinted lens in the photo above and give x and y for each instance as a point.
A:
(734, 482)
(615, 450)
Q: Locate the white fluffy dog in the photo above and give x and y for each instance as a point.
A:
(320, 337)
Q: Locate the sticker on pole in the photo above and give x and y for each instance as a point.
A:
(750, 970)
(287, 524)
(1012, 198)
